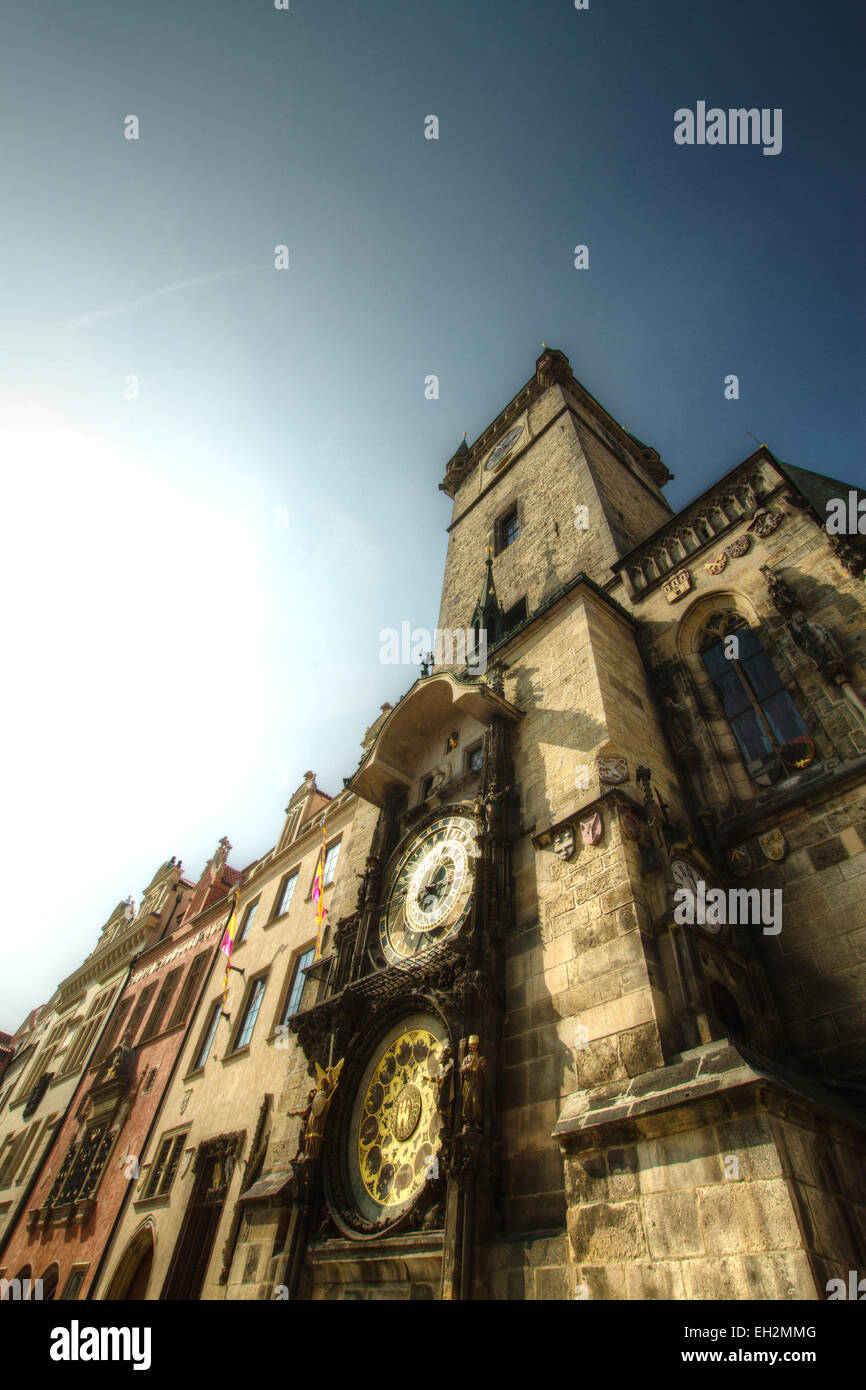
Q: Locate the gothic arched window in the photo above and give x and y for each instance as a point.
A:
(761, 713)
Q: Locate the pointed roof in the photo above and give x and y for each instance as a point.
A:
(489, 615)
(817, 488)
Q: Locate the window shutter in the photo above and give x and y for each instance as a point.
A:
(142, 1004)
(188, 989)
(169, 984)
(112, 1032)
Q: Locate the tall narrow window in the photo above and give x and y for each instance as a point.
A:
(331, 862)
(142, 1004)
(157, 1013)
(761, 713)
(113, 1031)
(507, 529)
(188, 989)
(209, 1034)
(162, 1173)
(251, 1013)
(247, 922)
(286, 894)
(299, 979)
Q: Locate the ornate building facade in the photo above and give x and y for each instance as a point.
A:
(590, 1015)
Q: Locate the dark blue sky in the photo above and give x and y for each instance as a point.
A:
(182, 660)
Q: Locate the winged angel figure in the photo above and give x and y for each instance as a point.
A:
(326, 1084)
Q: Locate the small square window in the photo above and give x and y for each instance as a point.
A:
(474, 758)
(507, 529)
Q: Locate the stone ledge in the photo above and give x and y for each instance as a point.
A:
(693, 1077)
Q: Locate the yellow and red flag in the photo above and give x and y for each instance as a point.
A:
(319, 896)
(228, 940)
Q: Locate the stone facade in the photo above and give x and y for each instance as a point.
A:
(584, 1083)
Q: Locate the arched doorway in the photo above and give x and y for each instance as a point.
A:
(50, 1279)
(132, 1274)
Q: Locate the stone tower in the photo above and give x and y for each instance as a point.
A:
(595, 1027)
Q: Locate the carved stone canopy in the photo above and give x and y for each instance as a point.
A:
(391, 759)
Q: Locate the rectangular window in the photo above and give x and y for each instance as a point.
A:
(247, 922)
(163, 1172)
(209, 1034)
(28, 1149)
(80, 1048)
(74, 1283)
(81, 1169)
(189, 989)
(101, 1002)
(286, 894)
(426, 787)
(474, 758)
(113, 1031)
(251, 1013)
(154, 1023)
(142, 1004)
(299, 979)
(331, 862)
(10, 1156)
(509, 528)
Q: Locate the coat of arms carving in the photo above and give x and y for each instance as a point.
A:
(740, 860)
(773, 844)
(765, 523)
(612, 770)
(563, 842)
(591, 828)
(677, 586)
(738, 547)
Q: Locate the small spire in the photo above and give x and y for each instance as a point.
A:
(489, 615)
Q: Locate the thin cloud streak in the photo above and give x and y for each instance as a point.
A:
(176, 288)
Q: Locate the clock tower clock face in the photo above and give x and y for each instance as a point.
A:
(503, 448)
(431, 890)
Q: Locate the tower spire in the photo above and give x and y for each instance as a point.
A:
(489, 615)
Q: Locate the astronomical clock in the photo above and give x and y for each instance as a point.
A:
(393, 1113)
(414, 1002)
(430, 890)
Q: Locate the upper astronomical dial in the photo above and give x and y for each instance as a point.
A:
(435, 885)
(430, 891)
